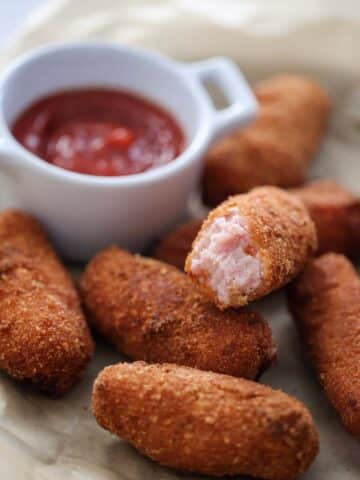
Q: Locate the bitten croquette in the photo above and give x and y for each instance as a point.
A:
(151, 311)
(250, 245)
(44, 338)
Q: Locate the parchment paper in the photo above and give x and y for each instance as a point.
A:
(42, 439)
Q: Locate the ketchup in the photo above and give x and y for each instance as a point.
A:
(99, 132)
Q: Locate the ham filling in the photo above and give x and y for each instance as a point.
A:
(224, 255)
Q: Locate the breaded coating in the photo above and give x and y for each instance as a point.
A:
(278, 147)
(325, 302)
(44, 338)
(336, 214)
(151, 311)
(205, 422)
(250, 245)
(174, 247)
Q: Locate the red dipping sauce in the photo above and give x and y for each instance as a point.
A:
(99, 132)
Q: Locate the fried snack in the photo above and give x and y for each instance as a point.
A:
(44, 338)
(204, 422)
(251, 245)
(174, 247)
(325, 302)
(151, 311)
(336, 214)
(277, 148)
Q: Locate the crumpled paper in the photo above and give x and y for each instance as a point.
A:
(43, 439)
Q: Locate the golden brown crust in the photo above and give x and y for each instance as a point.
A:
(205, 422)
(151, 311)
(325, 302)
(174, 247)
(277, 148)
(280, 230)
(44, 338)
(336, 214)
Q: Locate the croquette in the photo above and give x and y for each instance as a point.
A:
(336, 214)
(174, 247)
(151, 311)
(325, 303)
(44, 339)
(205, 422)
(250, 245)
(277, 148)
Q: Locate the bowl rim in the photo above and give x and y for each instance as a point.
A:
(199, 142)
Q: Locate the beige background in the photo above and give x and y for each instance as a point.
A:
(41, 439)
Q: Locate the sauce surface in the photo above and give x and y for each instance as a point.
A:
(99, 132)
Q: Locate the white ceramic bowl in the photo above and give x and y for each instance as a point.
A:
(84, 213)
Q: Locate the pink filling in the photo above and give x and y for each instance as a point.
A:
(220, 254)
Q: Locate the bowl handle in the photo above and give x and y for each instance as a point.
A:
(224, 74)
